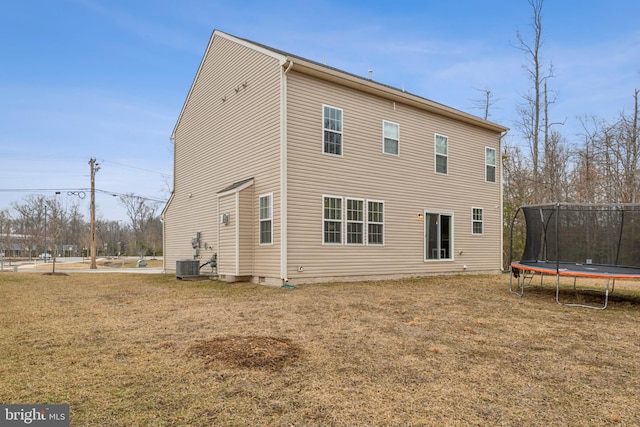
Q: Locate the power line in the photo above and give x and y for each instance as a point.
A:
(113, 193)
(166, 175)
(76, 192)
(33, 190)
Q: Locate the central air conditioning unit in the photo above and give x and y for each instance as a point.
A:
(187, 268)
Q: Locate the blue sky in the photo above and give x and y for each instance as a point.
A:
(108, 78)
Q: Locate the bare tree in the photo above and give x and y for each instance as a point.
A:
(77, 231)
(530, 119)
(57, 222)
(141, 213)
(518, 191)
(154, 235)
(6, 241)
(627, 152)
(556, 168)
(31, 220)
(607, 165)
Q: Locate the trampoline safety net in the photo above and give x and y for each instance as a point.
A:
(580, 234)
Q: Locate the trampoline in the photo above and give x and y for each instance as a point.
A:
(573, 240)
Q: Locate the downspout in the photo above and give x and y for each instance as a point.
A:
(283, 176)
(164, 244)
(501, 183)
(172, 139)
(237, 233)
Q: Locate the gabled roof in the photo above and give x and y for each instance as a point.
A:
(344, 78)
(237, 186)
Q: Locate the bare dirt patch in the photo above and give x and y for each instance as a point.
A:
(256, 352)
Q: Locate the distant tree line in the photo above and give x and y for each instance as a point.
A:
(544, 167)
(38, 224)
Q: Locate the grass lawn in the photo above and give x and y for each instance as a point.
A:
(150, 350)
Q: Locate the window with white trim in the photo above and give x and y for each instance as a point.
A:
(391, 138)
(438, 238)
(355, 221)
(490, 164)
(442, 153)
(477, 220)
(332, 130)
(332, 220)
(375, 223)
(361, 221)
(266, 219)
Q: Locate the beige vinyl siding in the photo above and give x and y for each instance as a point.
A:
(221, 142)
(407, 184)
(227, 248)
(246, 237)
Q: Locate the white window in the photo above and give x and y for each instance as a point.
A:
(391, 138)
(442, 155)
(266, 219)
(332, 220)
(332, 130)
(490, 164)
(363, 221)
(438, 238)
(355, 221)
(477, 220)
(375, 223)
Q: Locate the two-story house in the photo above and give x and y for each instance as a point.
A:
(295, 172)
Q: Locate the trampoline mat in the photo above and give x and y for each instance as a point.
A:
(579, 270)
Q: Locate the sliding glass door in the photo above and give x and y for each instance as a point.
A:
(438, 236)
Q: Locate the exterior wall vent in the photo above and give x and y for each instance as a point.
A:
(187, 268)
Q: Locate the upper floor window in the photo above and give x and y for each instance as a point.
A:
(332, 220)
(490, 164)
(477, 220)
(391, 138)
(332, 130)
(442, 150)
(266, 219)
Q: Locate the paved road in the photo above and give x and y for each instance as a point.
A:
(27, 266)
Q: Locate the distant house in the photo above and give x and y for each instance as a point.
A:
(293, 171)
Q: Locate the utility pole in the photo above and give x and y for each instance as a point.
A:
(44, 249)
(94, 168)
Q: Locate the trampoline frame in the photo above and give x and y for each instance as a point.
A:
(526, 270)
(522, 276)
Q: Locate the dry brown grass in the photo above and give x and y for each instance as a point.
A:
(142, 350)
